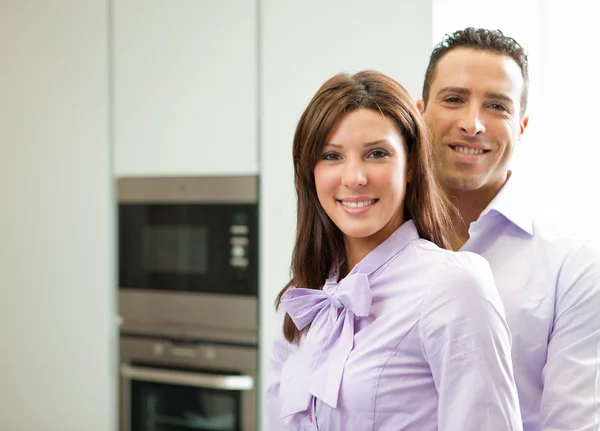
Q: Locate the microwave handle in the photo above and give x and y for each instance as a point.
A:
(185, 378)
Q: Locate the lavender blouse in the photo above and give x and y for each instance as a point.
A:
(414, 338)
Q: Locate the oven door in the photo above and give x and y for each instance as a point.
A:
(172, 394)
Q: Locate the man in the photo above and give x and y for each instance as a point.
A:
(474, 101)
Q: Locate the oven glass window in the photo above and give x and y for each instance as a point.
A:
(175, 249)
(163, 407)
(189, 248)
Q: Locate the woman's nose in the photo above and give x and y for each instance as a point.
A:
(354, 174)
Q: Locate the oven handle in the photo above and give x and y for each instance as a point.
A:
(200, 380)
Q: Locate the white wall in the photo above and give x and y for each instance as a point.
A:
(57, 368)
(304, 44)
(566, 164)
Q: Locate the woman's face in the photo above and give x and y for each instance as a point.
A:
(362, 174)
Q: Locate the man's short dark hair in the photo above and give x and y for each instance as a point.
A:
(480, 39)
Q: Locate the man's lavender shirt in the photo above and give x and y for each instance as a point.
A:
(413, 339)
(550, 286)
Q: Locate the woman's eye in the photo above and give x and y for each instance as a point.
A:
(377, 154)
(330, 156)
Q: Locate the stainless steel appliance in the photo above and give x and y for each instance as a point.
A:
(188, 302)
(167, 386)
(188, 257)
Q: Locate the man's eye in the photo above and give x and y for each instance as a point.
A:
(330, 156)
(377, 154)
(452, 99)
(497, 107)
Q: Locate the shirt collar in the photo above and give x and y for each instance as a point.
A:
(401, 237)
(513, 203)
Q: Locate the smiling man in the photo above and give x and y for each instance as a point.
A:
(474, 101)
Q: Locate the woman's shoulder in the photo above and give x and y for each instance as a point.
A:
(455, 272)
(460, 259)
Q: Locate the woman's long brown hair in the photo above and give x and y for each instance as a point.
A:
(319, 246)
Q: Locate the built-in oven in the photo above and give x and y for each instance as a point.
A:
(188, 257)
(171, 385)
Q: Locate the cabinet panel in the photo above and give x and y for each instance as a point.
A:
(184, 87)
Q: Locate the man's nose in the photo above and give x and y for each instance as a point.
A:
(471, 123)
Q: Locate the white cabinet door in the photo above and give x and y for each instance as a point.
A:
(184, 87)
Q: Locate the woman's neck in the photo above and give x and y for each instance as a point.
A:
(358, 248)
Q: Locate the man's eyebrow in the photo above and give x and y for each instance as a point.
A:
(466, 92)
(499, 96)
(457, 90)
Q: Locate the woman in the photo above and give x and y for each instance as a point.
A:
(383, 328)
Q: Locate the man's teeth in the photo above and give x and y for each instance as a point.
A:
(466, 150)
(357, 204)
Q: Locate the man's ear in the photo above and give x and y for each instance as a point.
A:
(523, 125)
(421, 106)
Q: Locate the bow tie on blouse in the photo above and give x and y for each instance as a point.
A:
(323, 352)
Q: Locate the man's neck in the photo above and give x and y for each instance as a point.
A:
(470, 205)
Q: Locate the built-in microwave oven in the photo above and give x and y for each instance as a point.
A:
(188, 257)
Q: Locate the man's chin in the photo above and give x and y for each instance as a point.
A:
(462, 183)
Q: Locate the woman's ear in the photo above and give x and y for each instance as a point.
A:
(411, 162)
(409, 174)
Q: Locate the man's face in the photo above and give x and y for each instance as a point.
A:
(473, 112)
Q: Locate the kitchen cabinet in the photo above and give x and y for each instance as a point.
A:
(184, 87)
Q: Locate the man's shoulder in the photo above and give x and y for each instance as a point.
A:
(577, 256)
(560, 236)
(553, 252)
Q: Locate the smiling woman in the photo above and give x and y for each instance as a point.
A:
(361, 180)
(382, 327)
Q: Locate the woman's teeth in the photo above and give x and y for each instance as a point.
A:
(357, 204)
